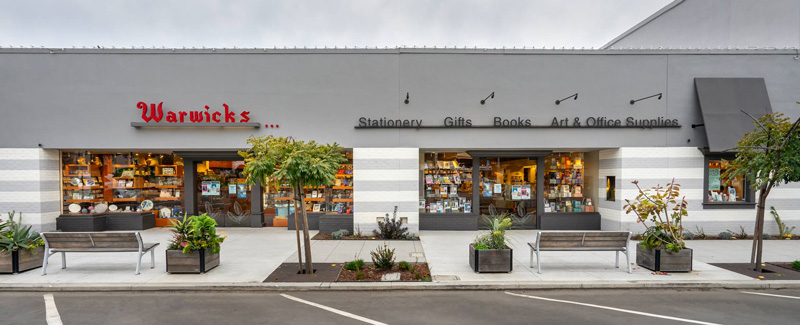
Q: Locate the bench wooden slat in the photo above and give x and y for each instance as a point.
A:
(147, 247)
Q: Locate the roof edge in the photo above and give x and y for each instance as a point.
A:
(641, 24)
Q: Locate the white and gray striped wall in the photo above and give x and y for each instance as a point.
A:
(30, 184)
(652, 166)
(382, 179)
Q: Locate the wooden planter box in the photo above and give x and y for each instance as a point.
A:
(664, 261)
(21, 261)
(196, 262)
(491, 260)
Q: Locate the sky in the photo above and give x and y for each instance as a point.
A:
(319, 23)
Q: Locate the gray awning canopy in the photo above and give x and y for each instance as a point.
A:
(722, 101)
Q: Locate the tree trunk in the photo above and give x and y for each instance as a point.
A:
(297, 233)
(758, 241)
(306, 238)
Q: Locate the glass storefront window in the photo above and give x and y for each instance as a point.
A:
(507, 183)
(447, 178)
(223, 193)
(122, 182)
(722, 190)
(564, 187)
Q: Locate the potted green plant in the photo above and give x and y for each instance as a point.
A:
(195, 245)
(489, 252)
(661, 211)
(21, 248)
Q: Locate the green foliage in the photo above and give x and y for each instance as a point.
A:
(360, 275)
(196, 233)
(496, 237)
(355, 265)
(688, 235)
(660, 210)
(768, 155)
(726, 235)
(785, 231)
(403, 265)
(796, 265)
(340, 233)
(391, 228)
(14, 236)
(383, 257)
(289, 161)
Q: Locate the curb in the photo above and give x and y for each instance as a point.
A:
(395, 286)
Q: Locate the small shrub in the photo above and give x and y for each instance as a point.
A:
(742, 234)
(727, 235)
(480, 246)
(340, 233)
(403, 265)
(766, 236)
(355, 265)
(688, 235)
(383, 257)
(360, 275)
(785, 231)
(391, 228)
(796, 265)
(700, 233)
(358, 232)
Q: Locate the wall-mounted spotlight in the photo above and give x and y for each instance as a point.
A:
(636, 100)
(696, 125)
(407, 100)
(483, 101)
(575, 96)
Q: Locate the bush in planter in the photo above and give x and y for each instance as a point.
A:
(661, 210)
(195, 245)
(489, 253)
(391, 228)
(18, 246)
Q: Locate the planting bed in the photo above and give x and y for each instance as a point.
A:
(371, 273)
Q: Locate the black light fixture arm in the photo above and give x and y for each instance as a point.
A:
(651, 96)
(407, 99)
(575, 96)
(483, 101)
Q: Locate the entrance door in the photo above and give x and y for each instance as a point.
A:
(222, 192)
(508, 184)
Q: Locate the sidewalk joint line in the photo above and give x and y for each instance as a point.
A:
(614, 309)
(333, 310)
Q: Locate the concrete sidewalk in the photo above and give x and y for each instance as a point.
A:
(249, 255)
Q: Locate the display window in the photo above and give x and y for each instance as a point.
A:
(564, 183)
(447, 179)
(722, 190)
(279, 199)
(507, 183)
(95, 182)
(223, 193)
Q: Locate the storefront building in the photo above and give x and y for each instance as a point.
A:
(443, 135)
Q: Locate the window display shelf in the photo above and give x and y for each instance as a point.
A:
(167, 186)
(344, 175)
(342, 200)
(342, 187)
(315, 199)
(167, 199)
(83, 201)
(133, 199)
(83, 187)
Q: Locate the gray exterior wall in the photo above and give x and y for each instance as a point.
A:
(717, 23)
(86, 99)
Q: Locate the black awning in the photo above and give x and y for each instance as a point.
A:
(722, 101)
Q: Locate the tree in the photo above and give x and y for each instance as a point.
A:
(766, 157)
(298, 163)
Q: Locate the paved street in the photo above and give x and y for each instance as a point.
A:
(407, 307)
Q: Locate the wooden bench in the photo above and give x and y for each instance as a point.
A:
(581, 241)
(95, 242)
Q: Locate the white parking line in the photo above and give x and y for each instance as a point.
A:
(615, 309)
(769, 294)
(51, 312)
(334, 310)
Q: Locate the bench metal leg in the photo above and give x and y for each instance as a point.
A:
(152, 258)
(628, 258)
(531, 263)
(47, 255)
(63, 260)
(538, 263)
(139, 263)
(617, 264)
